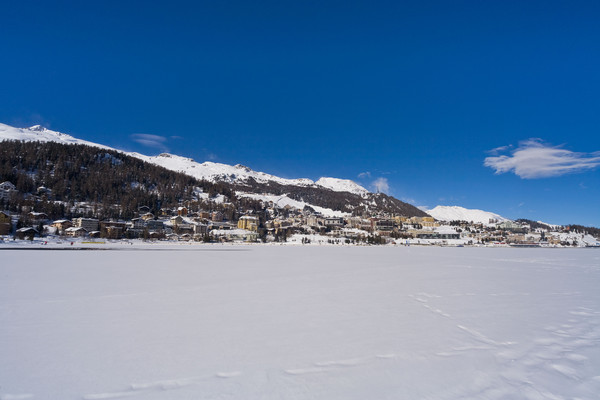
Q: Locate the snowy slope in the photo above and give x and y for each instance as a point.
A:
(209, 171)
(282, 201)
(456, 213)
(38, 133)
(217, 172)
(342, 185)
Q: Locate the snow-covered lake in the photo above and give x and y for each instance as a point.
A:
(284, 322)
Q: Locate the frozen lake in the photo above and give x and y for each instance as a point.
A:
(283, 322)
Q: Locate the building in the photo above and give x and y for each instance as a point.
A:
(217, 216)
(234, 235)
(6, 189)
(204, 215)
(437, 235)
(155, 225)
(177, 220)
(26, 233)
(75, 231)
(61, 225)
(89, 224)
(510, 226)
(200, 229)
(5, 223)
(384, 225)
(37, 217)
(248, 222)
(314, 221)
(147, 216)
(334, 222)
(400, 219)
(112, 229)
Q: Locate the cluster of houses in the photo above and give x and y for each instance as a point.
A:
(280, 224)
(276, 223)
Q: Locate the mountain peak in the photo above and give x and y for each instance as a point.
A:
(37, 128)
(173, 156)
(243, 168)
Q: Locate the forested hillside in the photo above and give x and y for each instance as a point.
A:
(52, 177)
(115, 183)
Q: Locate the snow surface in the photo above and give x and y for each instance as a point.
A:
(342, 185)
(456, 213)
(210, 171)
(282, 201)
(41, 134)
(298, 322)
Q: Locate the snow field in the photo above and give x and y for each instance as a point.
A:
(294, 322)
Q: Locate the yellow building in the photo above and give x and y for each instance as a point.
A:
(400, 219)
(248, 223)
(4, 218)
(5, 223)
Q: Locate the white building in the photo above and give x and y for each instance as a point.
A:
(6, 188)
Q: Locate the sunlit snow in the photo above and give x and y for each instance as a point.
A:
(299, 322)
(456, 213)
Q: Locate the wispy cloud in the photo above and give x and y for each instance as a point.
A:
(154, 141)
(381, 185)
(499, 150)
(364, 175)
(536, 159)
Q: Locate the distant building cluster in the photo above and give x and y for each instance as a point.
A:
(281, 224)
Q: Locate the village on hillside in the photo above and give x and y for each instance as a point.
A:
(285, 225)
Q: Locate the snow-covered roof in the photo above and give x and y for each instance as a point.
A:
(75, 229)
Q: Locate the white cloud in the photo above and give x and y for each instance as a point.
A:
(364, 175)
(536, 159)
(500, 149)
(381, 185)
(154, 141)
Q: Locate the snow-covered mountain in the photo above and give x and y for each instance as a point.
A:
(456, 213)
(209, 171)
(40, 134)
(342, 185)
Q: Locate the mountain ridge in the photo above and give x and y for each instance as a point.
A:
(208, 170)
(340, 196)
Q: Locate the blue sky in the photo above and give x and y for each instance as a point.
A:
(489, 105)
